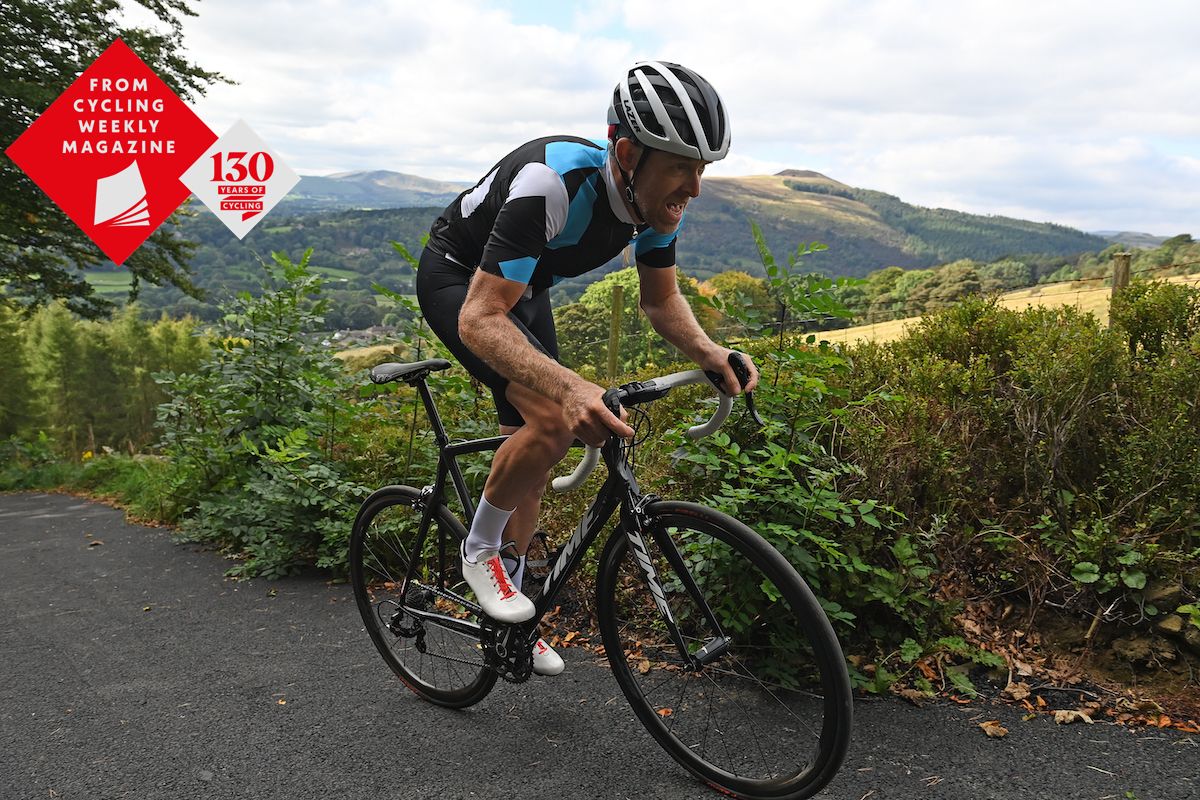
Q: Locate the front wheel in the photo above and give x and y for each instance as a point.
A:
(724, 653)
(411, 594)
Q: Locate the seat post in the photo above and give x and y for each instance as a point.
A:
(435, 419)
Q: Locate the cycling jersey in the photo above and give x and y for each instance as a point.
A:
(548, 210)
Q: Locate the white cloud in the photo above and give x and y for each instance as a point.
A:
(1070, 111)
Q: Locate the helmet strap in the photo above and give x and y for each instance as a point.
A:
(628, 179)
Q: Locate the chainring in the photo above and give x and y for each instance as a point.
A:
(507, 650)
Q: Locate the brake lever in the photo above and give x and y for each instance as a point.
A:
(742, 373)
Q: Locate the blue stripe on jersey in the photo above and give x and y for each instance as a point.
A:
(651, 239)
(579, 215)
(562, 157)
(518, 269)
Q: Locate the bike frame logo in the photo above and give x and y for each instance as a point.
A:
(111, 152)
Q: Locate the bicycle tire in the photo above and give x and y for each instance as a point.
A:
(442, 666)
(771, 718)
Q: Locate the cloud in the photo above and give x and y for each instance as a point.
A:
(1068, 111)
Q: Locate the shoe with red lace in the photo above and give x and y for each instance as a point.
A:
(494, 589)
(545, 660)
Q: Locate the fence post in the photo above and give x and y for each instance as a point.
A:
(1120, 271)
(1120, 277)
(614, 330)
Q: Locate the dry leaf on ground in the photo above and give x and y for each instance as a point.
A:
(1067, 717)
(1017, 691)
(914, 696)
(994, 729)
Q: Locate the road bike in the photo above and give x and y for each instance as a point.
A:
(716, 641)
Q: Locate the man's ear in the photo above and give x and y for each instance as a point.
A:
(627, 151)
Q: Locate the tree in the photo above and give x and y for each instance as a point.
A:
(62, 377)
(44, 46)
(14, 377)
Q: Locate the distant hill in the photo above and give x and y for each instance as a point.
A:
(1145, 241)
(367, 190)
(350, 218)
(864, 229)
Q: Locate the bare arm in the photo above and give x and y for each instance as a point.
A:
(670, 315)
(484, 326)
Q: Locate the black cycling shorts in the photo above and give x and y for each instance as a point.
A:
(441, 291)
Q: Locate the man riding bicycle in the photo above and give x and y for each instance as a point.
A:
(558, 207)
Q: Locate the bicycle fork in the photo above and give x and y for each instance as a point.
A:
(634, 524)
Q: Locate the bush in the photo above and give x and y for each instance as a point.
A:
(1156, 315)
(1040, 458)
(251, 434)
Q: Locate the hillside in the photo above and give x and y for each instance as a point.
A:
(1086, 297)
(863, 229)
(367, 190)
(716, 231)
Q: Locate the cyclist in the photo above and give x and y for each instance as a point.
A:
(558, 207)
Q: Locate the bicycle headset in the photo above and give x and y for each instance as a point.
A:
(665, 106)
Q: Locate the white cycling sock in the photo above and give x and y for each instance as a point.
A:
(517, 572)
(486, 529)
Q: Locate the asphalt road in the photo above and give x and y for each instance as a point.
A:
(129, 667)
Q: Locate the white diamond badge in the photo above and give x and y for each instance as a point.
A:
(240, 179)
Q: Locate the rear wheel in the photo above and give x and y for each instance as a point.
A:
(768, 716)
(422, 629)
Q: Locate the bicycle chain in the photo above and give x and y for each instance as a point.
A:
(515, 667)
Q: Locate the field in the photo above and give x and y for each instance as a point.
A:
(1084, 296)
(109, 284)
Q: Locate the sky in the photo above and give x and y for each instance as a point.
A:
(1079, 113)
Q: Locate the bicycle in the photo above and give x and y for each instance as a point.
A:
(717, 643)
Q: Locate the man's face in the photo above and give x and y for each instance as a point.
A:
(665, 184)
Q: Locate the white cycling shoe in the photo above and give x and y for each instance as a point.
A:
(494, 590)
(545, 660)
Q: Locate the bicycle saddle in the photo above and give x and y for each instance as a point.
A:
(391, 371)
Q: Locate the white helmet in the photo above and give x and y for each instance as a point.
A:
(669, 107)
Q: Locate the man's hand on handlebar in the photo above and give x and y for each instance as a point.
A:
(589, 418)
(719, 363)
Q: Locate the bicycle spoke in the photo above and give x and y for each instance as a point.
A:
(757, 709)
(408, 598)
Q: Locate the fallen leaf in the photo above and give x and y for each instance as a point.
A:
(913, 696)
(644, 666)
(281, 702)
(1041, 701)
(146, 608)
(95, 543)
(994, 729)
(929, 672)
(1031, 715)
(570, 635)
(1164, 721)
(1017, 691)
(664, 712)
(1067, 717)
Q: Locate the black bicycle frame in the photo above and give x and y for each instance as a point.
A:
(620, 488)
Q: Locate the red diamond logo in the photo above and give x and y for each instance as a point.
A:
(110, 150)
